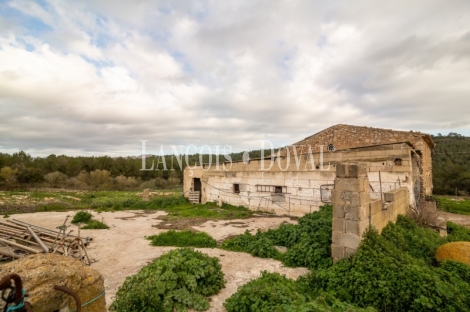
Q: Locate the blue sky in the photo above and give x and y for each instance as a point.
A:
(96, 77)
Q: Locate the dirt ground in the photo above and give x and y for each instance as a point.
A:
(123, 250)
(463, 220)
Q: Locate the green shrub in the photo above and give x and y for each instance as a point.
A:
(176, 281)
(457, 233)
(308, 243)
(270, 292)
(239, 242)
(286, 235)
(95, 225)
(460, 269)
(275, 292)
(257, 245)
(418, 241)
(82, 217)
(183, 239)
(384, 276)
(326, 303)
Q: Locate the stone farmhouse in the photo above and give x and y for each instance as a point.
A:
(300, 177)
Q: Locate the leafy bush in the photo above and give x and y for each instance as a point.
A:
(286, 235)
(308, 243)
(270, 292)
(275, 292)
(457, 233)
(239, 242)
(183, 239)
(418, 241)
(95, 225)
(176, 281)
(389, 278)
(82, 217)
(257, 245)
(313, 249)
(90, 223)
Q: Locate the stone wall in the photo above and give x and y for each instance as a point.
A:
(354, 211)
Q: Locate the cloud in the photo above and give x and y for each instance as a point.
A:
(100, 75)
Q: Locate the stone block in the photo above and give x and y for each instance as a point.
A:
(357, 227)
(338, 211)
(337, 251)
(375, 207)
(356, 212)
(351, 170)
(351, 185)
(346, 239)
(376, 219)
(339, 224)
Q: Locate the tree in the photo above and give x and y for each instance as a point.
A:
(55, 179)
(9, 175)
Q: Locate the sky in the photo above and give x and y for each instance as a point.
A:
(96, 77)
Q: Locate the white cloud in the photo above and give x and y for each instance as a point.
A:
(108, 74)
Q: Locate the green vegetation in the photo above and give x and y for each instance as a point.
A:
(395, 271)
(82, 217)
(457, 233)
(308, 242)
(90, 223)
(275, 292)
(20, 170)
(176, 281)
(183, 239)
(454, 205)
(95, 225)
(451, 164)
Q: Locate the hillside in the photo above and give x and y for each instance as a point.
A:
(451, 164)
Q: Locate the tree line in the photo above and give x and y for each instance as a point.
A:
(99, 173)
(451, 164)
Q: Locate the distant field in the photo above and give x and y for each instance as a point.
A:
(454, 204)
(179, 210)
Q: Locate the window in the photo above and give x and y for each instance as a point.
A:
(236, 188)
(398, 162)
(271, 189)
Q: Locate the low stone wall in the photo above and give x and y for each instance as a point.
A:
(395, 203)
(354, 212)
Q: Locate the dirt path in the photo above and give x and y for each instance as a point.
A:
(459, 219)
(123, 250)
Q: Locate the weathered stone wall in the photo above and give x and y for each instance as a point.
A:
(354, 212)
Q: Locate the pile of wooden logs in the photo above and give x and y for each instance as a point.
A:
(19, 239)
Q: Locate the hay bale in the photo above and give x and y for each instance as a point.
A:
(457, 251)
(41, 272)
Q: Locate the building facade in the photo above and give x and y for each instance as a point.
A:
(300, 177)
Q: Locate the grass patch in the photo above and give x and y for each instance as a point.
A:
(453, 205)
(183, 239)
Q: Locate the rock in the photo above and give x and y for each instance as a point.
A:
(457, 251)
(41, 272)
(281, 249)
